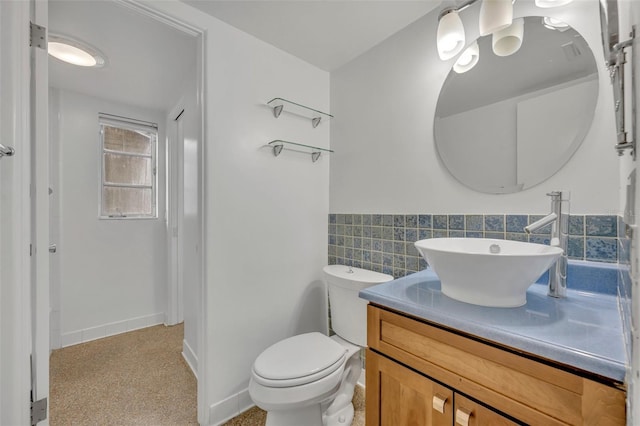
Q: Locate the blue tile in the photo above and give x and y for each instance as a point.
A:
(398, 234)
(411, 221)
(387, 246)
(413, 264)
(387, 270)
(366, 256)
(387, 259)
(387, 233)
(387, 220)
(473, 234)
(398, 221)
(602, 249)
(332, 218)
(340, 240)
(440, 234)
(456, 234)
(601, 226)
(348, 241)
(376, 232)
(575, 248)
(339, 229)
(423, 234)
(624, 250)
(332, 239)
(366, 231)
(399, 261)
(340, 218)
(348, 219)
(357, 254)
(576, 225)
(424, 221)
(332, 228)
(411, 234)
(473, 222)
(456, 221)
(440, 221)
(494, 222)
(423, 264)
(515, 236)
(376, 219)
(539, 239)
(398, 247)
(357, 219)
(366, 244)
(366, 219)
(357, 242)
(376, 245)
(376, 257)
(411, 250)
(348, 253)
(332, 260)
(357, 231)
(622, 227)
(516, 223)
(494, 235)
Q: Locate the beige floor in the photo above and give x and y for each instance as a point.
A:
(135, 378)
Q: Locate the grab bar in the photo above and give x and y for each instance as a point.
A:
(6, 151)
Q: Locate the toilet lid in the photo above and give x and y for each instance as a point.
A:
(299, 356)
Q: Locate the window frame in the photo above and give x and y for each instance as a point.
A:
(130, 124)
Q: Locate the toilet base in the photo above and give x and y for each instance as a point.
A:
(310, 415)
(344, 417)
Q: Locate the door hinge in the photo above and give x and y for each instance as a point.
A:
(38, 411)
(37, 36)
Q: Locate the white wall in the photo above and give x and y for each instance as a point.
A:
(112, 272)
(265, 217)
(386, 161)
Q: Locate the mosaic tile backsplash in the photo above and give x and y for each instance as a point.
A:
(384, 242)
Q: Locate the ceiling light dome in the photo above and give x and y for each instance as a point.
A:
(450, 38)
(74, 52)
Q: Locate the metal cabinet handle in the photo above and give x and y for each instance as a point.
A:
(52, 248)
(462, 416)
(439, 402)
(6, 151)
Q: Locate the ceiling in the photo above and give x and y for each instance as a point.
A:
(327, 33)
(148, 61)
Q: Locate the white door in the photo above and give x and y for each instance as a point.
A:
(40, 306)
(23, 295)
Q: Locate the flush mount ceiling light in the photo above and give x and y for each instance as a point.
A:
(552, 3)
(74, 52)
(468, 59)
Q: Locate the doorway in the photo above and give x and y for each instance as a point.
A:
(109, 273)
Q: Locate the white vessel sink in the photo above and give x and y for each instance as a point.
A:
(487, 272)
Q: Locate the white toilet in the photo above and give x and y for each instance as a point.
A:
(309, 379)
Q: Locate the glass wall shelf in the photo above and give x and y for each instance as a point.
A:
(278, 104)
(278, 145)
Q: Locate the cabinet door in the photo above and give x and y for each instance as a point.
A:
(469, 413)
(398, 396)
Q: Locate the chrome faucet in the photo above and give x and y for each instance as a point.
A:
(559, 218)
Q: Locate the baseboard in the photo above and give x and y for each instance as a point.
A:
(190, 357)
(230, 407)
(110, 329)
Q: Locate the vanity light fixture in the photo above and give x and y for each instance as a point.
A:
(468, 59)
(72, 51)
(496, 17)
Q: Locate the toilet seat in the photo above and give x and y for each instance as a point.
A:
(299, 360)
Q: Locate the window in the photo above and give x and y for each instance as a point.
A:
(128, 168)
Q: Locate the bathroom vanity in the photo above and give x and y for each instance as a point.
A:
(435, 361)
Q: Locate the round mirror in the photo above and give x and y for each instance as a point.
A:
(507, 123)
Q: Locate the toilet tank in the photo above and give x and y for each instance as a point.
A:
(348, 311)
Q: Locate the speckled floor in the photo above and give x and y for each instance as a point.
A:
(135, 378)
(257, 417)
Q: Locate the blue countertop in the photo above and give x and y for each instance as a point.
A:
(583, 330)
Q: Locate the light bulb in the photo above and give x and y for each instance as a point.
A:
(507, 41)
(468, 59)
(495, 15)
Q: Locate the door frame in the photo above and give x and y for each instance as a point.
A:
(15, 276)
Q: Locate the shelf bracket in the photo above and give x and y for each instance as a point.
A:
(277, 149)
(277, 110)
(315, 121)
(315, 156)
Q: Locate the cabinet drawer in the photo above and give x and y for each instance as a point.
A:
(528, 390)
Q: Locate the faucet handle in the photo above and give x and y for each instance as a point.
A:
(559, 195)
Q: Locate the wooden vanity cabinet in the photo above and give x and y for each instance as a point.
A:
(420, 374)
